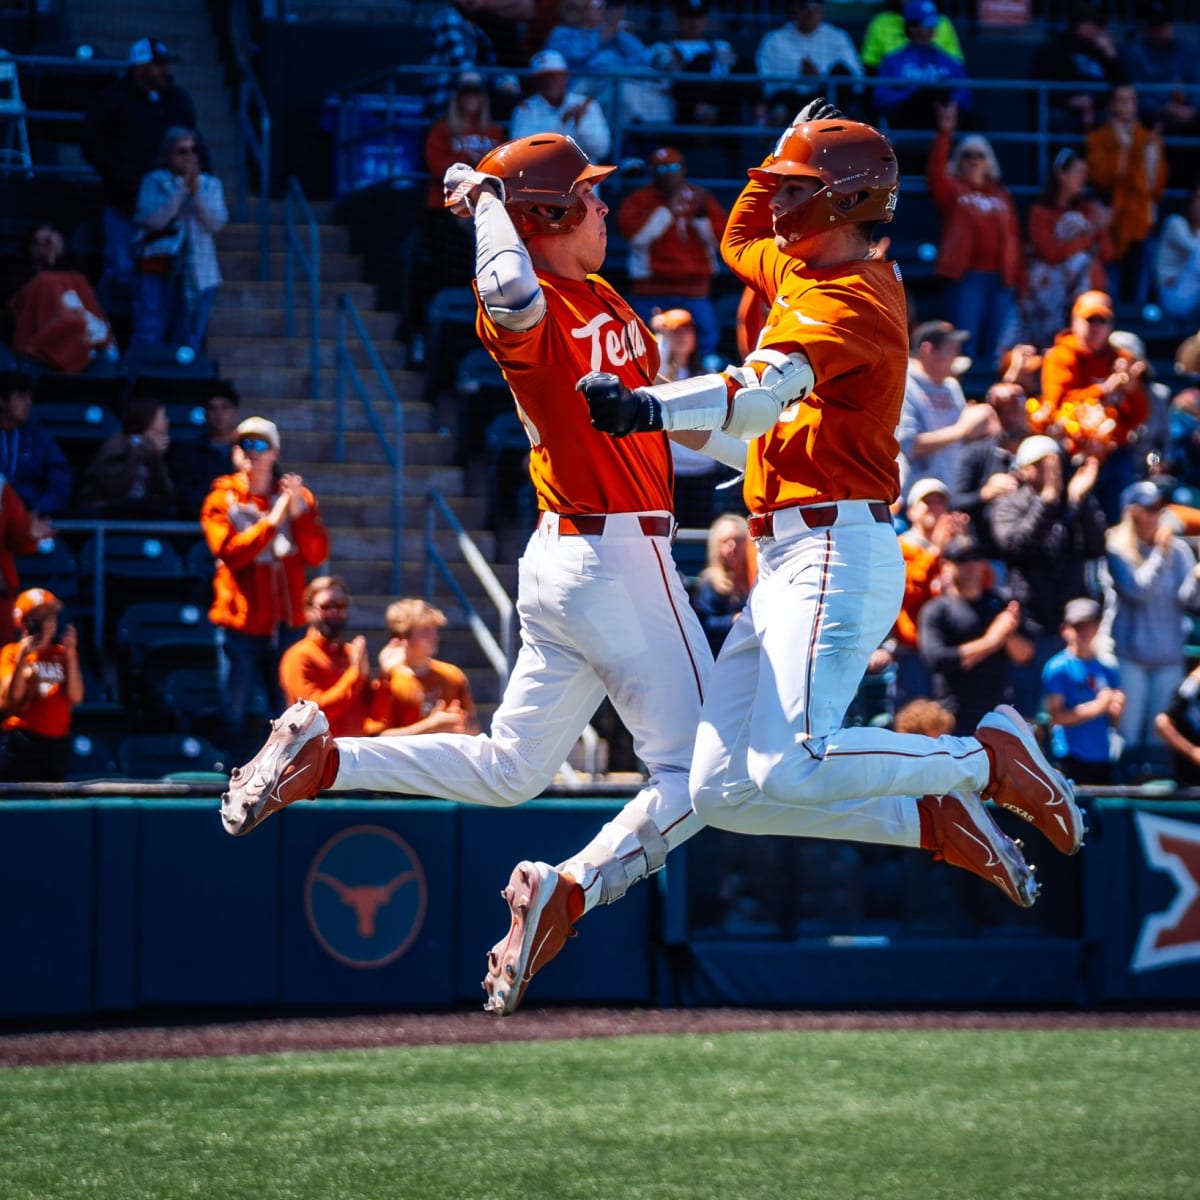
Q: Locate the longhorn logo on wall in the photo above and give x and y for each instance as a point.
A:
(365, 896)
(1171, 937)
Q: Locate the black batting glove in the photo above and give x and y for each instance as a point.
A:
(818, 109)
(616, 410)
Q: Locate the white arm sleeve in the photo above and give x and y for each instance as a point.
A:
(508, 284)
(725, 449)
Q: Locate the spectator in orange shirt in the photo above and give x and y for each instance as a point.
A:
(418, 693)
(323, 666)
(263, 529)
(40, 682)
(1093, 397)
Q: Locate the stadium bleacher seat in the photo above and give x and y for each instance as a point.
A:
(52, 566)
(90, 757)
(157, 755)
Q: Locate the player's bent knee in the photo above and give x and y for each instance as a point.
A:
(786, 778)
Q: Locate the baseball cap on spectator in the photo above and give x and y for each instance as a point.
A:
(545, 62)
(963, 548)
(470, 81)
(937, 333)
(1092, 304)
(1127, 341)
(258, 427)
(1143, 493)
(33, 599)
(924, 488)
(148, 50)
(671, 320)
(665, 159)
(923, 13)
(1080, 610)
(1034, 449)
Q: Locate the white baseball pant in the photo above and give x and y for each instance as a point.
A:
(771, 756)
(604, 613)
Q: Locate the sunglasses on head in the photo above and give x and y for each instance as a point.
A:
(254, 445)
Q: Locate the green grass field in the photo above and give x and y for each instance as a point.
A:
(919, 1115)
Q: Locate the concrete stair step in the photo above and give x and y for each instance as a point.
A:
(256, 293)
(359, 544)
(299, 414)
(369, 606)
(293, 383)
(234, 353)
(335, 239)
(324, 212)
(364, 510)
(272, 322)
(367, 577)
(365, 449)
(347, 479)
(335, 268)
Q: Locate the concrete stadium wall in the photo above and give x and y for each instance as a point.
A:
(119, 905)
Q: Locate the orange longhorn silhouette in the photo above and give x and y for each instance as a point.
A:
(366, 899)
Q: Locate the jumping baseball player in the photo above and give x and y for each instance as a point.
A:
(602, 607)
(819, 399)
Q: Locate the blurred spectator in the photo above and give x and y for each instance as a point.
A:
(1183, 445)
(723, 586)
(929, 76)
(1128, 168)
(1152, 582)
(121, 138)
(1022, 364)
(554, 109)
(1093, 400)
(935, 420)
(179, 208)
(1177, 262)
(980, 253)
(1083, 54)
(929, 717)
(323, 666)
(751, 316)
(458, 43)
(1179, 727)
(31, 461)
(1047, 530)
(1083, 697)
(1150, 443)
(465, 133)
(20, 532)
(40, 683)
(985, 466)
(805, 50)
(1158, 55)
(128, 478)
(595, 36)
(968, 635)
(697, 475)
(692, 51)
(673, 228)
(59, 324)
(417, 693)
(931, 527)
(194, 465)
(1068, 247)
(885, 33)
(263, 529)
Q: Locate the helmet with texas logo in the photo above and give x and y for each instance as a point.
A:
(853, 162)
(541, 174)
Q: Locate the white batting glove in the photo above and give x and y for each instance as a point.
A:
(461, 187)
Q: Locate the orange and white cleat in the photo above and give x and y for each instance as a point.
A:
(967, 837)
(298, 760)
(1023, 781)
(539, 899)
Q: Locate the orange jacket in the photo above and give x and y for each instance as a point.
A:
(1055, 234)
(259, 580)
(48, 710)
(922, 564)
(1131, 181)
(1071, 374)
(317, 669)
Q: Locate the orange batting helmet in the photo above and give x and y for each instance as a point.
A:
(540, 176)
(853, 162)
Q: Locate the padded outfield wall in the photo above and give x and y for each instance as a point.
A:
(120, 906)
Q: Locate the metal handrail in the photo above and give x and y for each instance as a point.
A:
(253, 131)
(393, 449)
(499, 653)
(310, 260)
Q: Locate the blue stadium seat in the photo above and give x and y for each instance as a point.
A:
(157, 755)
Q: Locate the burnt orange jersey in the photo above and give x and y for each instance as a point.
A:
(851, 321)
(575, 469)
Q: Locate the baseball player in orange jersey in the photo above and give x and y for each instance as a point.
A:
(819, 398)
(602, 607)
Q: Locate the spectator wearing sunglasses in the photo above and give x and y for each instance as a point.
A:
(980, 261)
(179, 209)
(264, 529)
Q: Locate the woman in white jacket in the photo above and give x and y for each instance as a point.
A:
(179, 209)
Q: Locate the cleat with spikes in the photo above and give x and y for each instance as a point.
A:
(538, 899)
